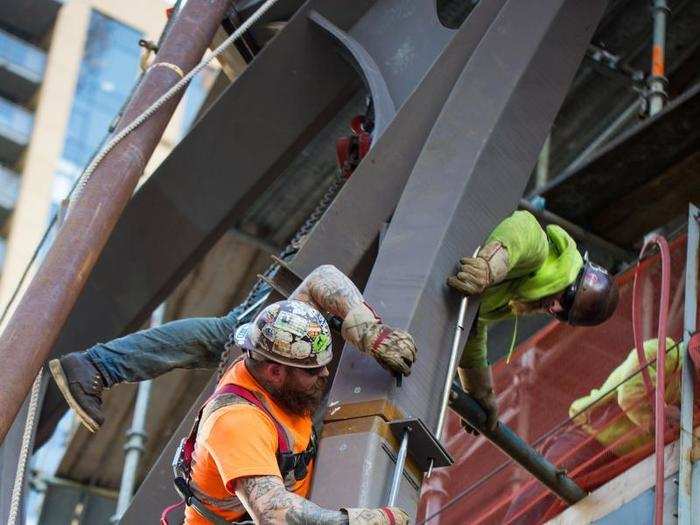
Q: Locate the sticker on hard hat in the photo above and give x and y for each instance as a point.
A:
(320, 343)
(241, 333)
(292, 323)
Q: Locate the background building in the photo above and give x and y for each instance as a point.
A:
(65, 71)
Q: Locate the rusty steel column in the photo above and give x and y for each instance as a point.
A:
(40, 315)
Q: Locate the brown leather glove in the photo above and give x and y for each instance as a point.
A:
(479, 383)
(490, 266)
(383, 516)
(393, 348)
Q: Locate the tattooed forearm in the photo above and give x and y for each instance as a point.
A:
(308, 513)
(270, 503)
(329, 289)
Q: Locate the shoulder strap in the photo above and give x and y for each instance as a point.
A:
(244, 393)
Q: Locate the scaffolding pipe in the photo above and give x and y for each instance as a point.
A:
(513, 445)
(136, 435)
(657, 394)
(51, 295)
(686, 468)
(657, 81)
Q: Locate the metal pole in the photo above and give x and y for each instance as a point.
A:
(542, 169)
(398, 472)
(50, 297)
(657, 81)
(136, 435)
(511, 444)
(451, 369)
(685, 470)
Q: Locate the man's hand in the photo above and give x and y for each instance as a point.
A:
(490, 266)
(383, 516)
(479, 383)
(393, 348)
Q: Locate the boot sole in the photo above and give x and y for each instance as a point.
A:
(62, 382)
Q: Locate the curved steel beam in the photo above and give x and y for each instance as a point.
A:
(362, 61)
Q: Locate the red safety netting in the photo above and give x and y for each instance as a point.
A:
(549, 371)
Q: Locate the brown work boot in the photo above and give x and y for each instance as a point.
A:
(81, 384)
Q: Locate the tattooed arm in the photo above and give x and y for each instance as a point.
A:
(329, 289)
(270, 503)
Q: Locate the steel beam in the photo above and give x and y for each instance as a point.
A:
(209, 181)
(469, 175)
(186, 211)
(374, 188)
(346, 235)
(686, 474)
(370, 194)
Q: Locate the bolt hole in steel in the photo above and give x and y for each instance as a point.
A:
(451, 13)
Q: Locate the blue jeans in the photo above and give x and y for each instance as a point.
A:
(188, 343)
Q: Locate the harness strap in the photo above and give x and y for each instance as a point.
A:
(244, 393)
(286, 459)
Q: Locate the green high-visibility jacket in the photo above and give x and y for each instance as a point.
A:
(625, 389)
(541, 262)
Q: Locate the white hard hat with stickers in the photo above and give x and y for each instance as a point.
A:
(288, 332)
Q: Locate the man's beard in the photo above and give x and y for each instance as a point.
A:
(296, 401)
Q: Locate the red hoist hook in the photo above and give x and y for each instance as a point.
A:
(656, 396)
(350, 150)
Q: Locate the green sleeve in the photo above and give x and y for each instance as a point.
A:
(525, 241)
(633, 397)
(474, 353)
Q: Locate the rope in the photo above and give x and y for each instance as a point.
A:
(150, 111)
(77, 189)
(54, 218)
(24, 450)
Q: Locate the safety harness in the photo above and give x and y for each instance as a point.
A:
(287, 461)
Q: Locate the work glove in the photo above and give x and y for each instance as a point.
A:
(490, 266)
(478, 382)
(383, 516)
(394, 349)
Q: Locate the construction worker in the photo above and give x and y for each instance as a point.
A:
(253, 444)
(199, 343)
(524, 269)
(612, 422)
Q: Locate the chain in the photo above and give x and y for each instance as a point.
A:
(248, 309)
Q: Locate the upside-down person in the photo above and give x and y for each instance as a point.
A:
(238, 467)
(524, 269)
(614, 423)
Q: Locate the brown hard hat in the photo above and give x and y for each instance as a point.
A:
(591, 299)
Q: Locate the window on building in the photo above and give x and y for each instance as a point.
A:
(107, 74)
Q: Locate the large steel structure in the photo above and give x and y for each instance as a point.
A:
(460, 117)
(480, 128)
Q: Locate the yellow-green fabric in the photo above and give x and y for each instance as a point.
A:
(541, 262)
(631, 397)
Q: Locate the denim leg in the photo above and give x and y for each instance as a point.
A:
(187, 343)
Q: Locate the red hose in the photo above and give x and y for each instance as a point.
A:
(659, 404)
